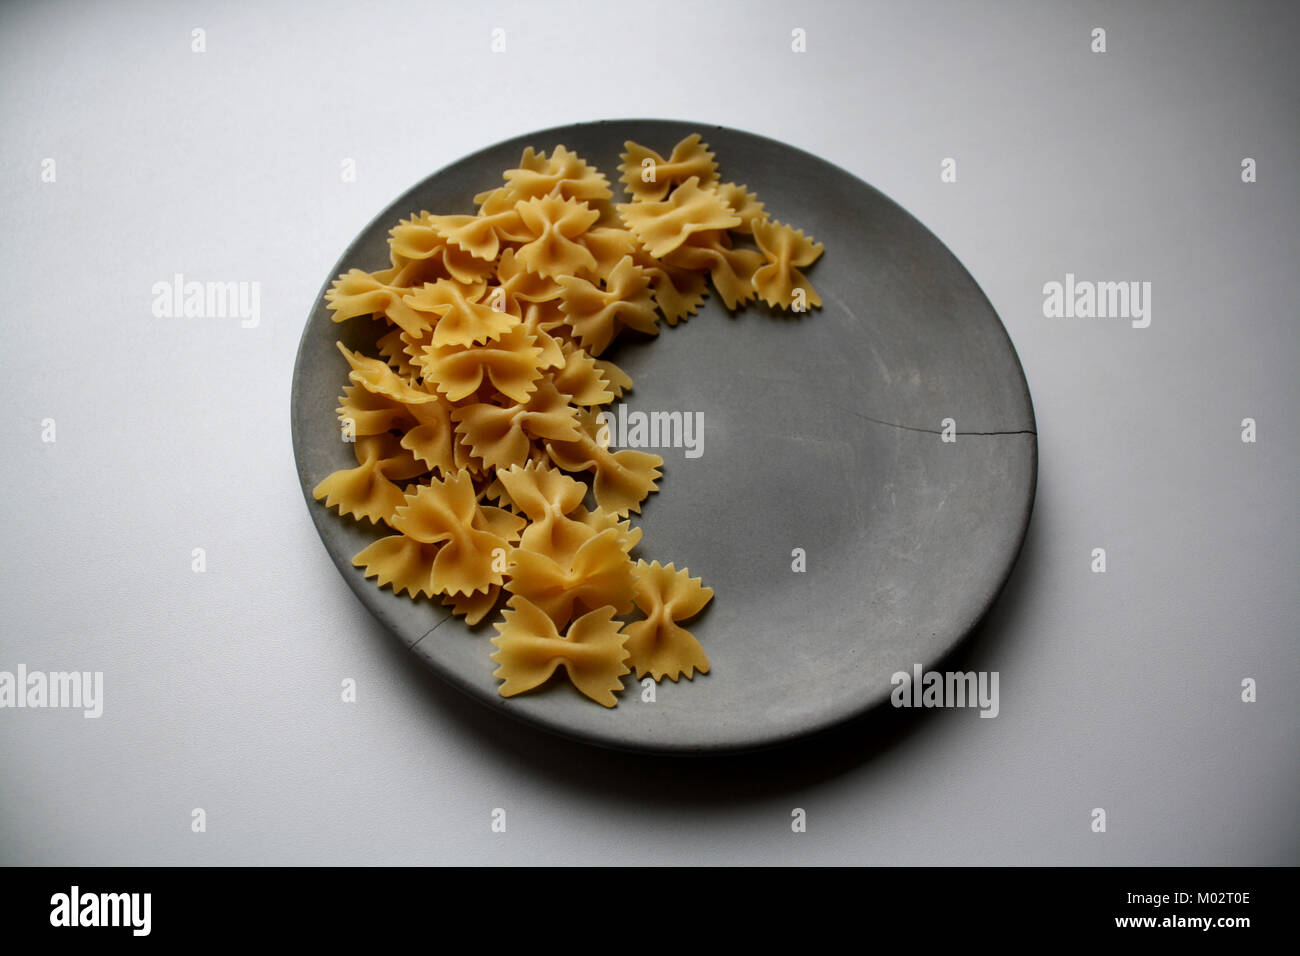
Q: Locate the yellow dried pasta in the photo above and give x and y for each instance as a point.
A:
(658, 645)
(785, 249)
(648, 176)
(596, 312)
(530, 648)
(663, 226)
(487, 386)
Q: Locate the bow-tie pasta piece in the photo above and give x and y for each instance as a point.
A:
(623, 479)
(380, 401)
(446, 512)
(732, 270)
(481, 236)
(426, 429)
(648, 176)
(658, 645)
(369, 491)
(502, 436)
(462, 319)
(530, 649)
(598, 573)
(786, 251)
(538, 491)
(415, 239)
(663, 226)
(555, 226)
(399, 562)
(548, 497)
(678, 293)
(743, 203)
(597, 314)
(564, 174)
(358, 293)
(511, 363)
(375, 376)
(419, 253)
(407, 564)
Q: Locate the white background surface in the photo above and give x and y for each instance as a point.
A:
(1118, 690)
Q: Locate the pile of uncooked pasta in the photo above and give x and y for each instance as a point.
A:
(476, 427)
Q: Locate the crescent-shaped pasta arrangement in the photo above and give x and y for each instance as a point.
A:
(476, 429)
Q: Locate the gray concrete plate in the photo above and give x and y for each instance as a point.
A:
(822, 432)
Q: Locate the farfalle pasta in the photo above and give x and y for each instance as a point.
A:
(595, 311)
(778, 281)
(503, 436)
(512, 364)
(479, 451)
(659, 645)
(555, 226)
(530, 648)
(648, 176)
(663, 226)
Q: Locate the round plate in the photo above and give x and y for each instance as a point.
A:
(823, 437)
